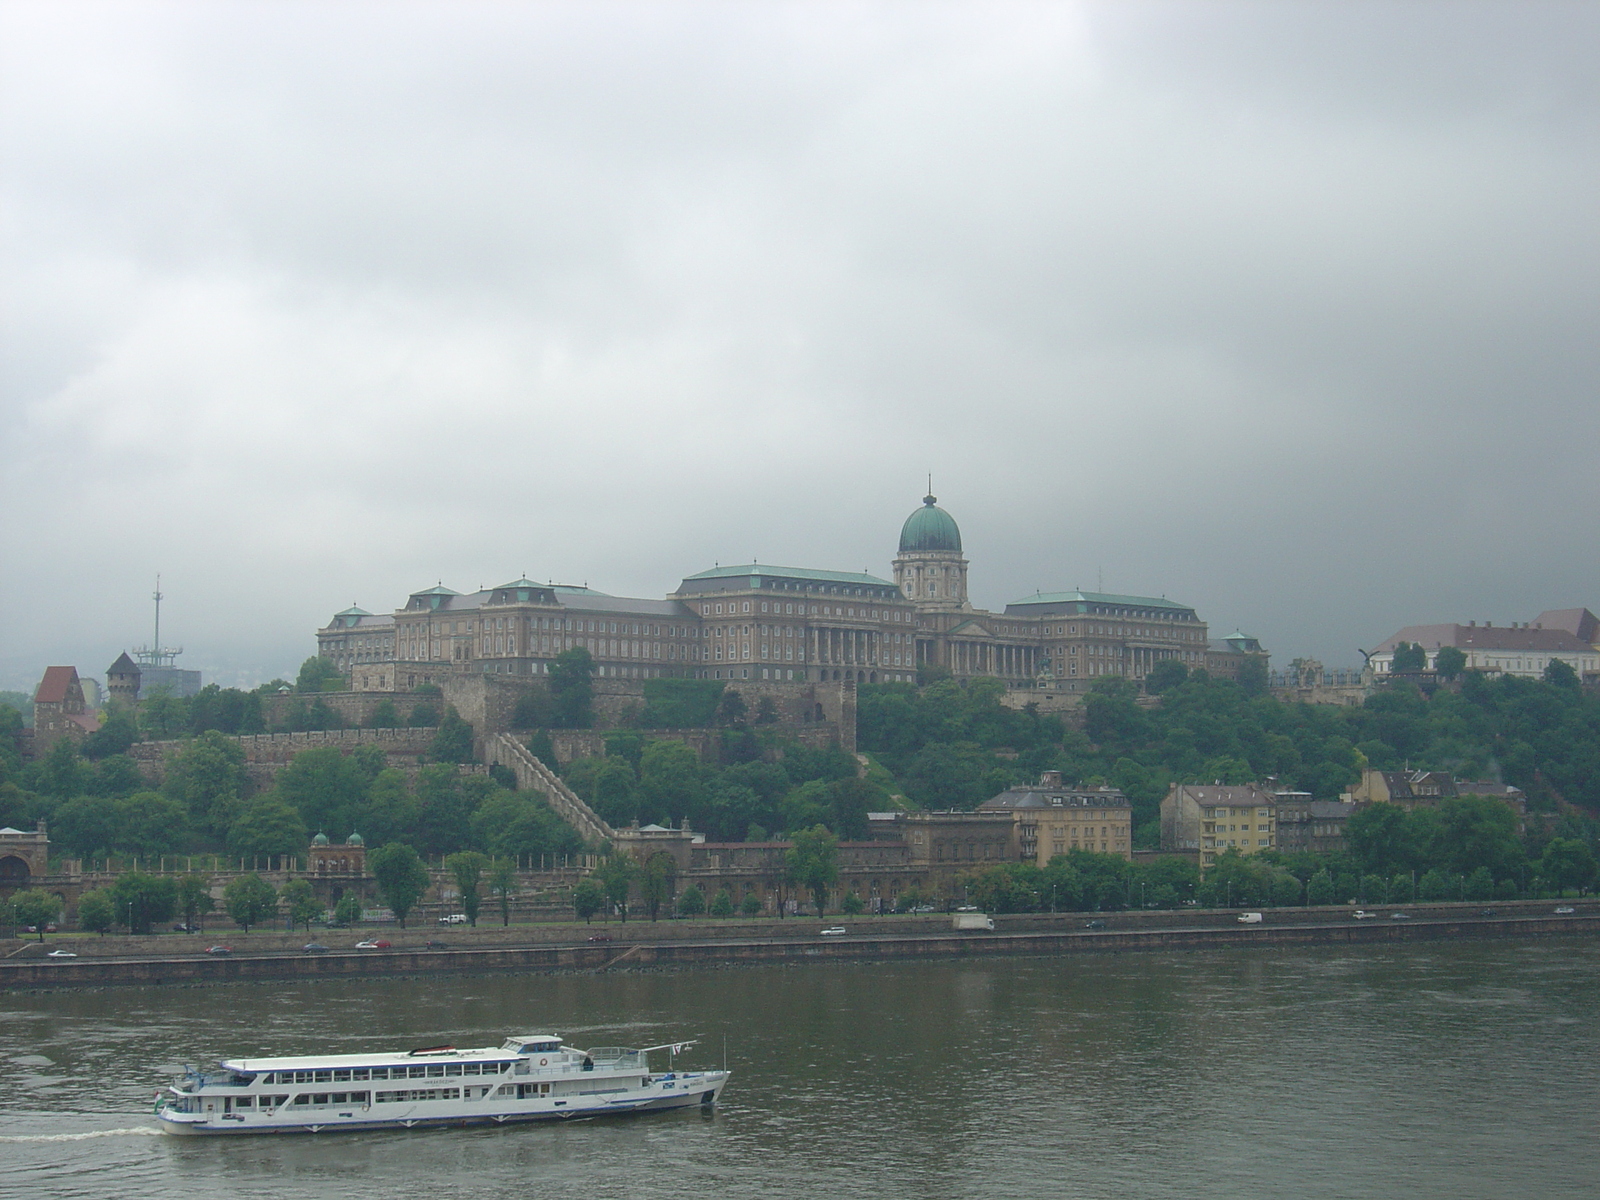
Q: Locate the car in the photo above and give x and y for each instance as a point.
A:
(1094, 924)
(373, 944)
(1250, 918)
(833, 931)
(180, 927)
(1565, 910)
(438, 945)
(219, 951)
(969, 908)
(599, 937)
(35, 929)
(923, 908)
(454, 919)
(314, 948)
(1488, 912)
(1362, 914)
(61, 954)
(1399, 916)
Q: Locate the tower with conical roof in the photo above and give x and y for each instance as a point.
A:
(929, 567)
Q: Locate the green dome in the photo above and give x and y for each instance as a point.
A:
(930, 528)
(354, 840)
(320, 840)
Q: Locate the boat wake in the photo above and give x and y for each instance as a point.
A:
(82, 1137)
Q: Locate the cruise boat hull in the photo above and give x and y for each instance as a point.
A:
(525, 1080)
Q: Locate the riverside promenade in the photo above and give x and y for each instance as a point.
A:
(669, 945)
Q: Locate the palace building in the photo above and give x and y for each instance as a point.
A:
(778, 624)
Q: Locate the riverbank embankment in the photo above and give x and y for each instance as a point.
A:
(677, 945)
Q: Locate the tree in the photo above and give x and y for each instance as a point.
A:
(1164, 676)
(1479, 885)
(1319, 888)
(813, 862)
(1568, 863)
(385, 716)
(209, 776)
(692, 902)
(141, 900)
(35, 908)
(467, 868)
(267, 827)
(194, 897)
(750, 906)
(616, 876)
(119, 732)
(96, 913)
(655, 881)
(588, 898)
(453, 742)
(722, 903)
(1253, 675)
(348, 910)
(1449, 662)
(317, 674)
(766, 711)
(572, 689)
(249, 900)
(732, 710)
(401, 877)
(303, 904)
(1409, 656)
(1436, 885)
(1561, 675)
(852, 904)
(502, 886)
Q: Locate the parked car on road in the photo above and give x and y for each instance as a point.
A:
(373, 944)
(453, 919)
(61, 954)
(599, 937)
(219, 951)
(1565, 910)
(314, 948)
(1399, 916)
(1362, 914)
(833, 931)
(1094, 924)
(1250, 918)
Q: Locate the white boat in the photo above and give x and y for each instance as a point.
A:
(531, 1077)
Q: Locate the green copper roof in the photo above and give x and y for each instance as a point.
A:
(930, 528)
(353, 611)
(758, 569)
(1099, 598)
(441, 590)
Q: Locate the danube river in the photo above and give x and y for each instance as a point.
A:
(1466, 1069)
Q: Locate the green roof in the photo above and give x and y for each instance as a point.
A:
(1100, 598)
(515, 583)
(353, 611)
(441, 590)
(758, 569)
(930, 528)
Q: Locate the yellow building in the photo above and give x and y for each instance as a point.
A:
(1052, 818)
(1211, 819)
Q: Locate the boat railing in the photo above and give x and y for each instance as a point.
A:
(618, 1058)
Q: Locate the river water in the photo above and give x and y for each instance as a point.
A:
(1463, 1069)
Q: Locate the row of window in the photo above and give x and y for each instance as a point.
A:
(417, 1094)
(358, 1074)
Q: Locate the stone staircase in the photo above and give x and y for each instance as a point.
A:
(533, 775)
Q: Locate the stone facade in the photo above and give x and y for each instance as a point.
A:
(24, 857)
(1314, 825)
(1052, 818)
(59, 710)
(781, 625)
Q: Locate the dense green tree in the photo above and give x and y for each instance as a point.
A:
(515, 824)
(671, 782)
(616, 876)
(692, 901)
(143, 825)
(812, 862)
(60, 772)
(1409, 656)
(210, 778)
(572, 689)
(1164, 676)
(318, 674)
(96, 912)
(656, 878)
(1319, 888)
(402, 879)
(162, 716)
(302, 902)
(267, 826)
(194, 897)
(588, 898)
(1479, 885)
(327, 788)
(116, 734)
(444, 810)
(466, 868)
(1449, 662)
(453, 742)
(389, 811)
(32, 907)
(384, 716)
(141, 900)
(226, 710)
(423, 716)
(722, 903)
(1437, 885)
(348, 910)
(249, 900)
(732, 709)
(750, 906)
(1568, 863)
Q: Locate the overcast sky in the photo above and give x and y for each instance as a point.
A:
(1287, 311)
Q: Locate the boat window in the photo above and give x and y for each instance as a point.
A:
(341, 1076)
(419, 1072)
(436, 1069)
(361, 1073)
(470, 1068)
(380, 1072)
(323, 1077)
(302, 1098)
(244, 1102)
(452, 1069)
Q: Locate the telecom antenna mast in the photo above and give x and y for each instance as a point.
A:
(155, 654)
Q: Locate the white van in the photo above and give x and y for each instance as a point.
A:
(1249, 918)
